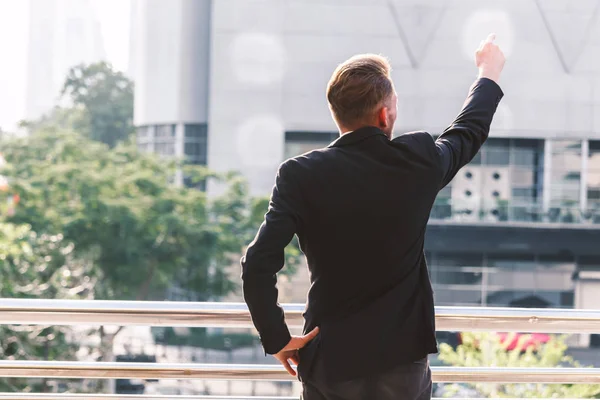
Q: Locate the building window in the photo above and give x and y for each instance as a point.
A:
(503, 280)
(505, 182)
(195, 149)
(300, 142)
(195, 146)
(144, 139)
(456, 278)
(144, 133)
(524, 200)
(196, 131)
(165, 131)
(565, 181)
(165, 149)
(593, 181)
(496, 152)
(164, 140)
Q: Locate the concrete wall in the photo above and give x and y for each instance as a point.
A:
(271, 59)
(172, 67)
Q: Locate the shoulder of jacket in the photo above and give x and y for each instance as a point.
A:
(420, 136)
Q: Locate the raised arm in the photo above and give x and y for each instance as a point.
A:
(461, 141)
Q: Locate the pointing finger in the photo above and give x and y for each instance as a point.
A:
(491, 37)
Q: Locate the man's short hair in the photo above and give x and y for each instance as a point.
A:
(358, 87)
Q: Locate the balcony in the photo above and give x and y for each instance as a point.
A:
(512, 212)
(72, 313)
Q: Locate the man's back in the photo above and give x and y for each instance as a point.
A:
(365, 202)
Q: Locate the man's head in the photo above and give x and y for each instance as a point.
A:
(361, 93)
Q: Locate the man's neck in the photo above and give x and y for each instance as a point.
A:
(345, 131)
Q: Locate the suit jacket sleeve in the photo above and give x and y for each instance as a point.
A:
(265, 257)
(461, 141)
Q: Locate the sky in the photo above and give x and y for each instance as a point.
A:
(114, 17)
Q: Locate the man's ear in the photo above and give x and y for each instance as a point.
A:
(383, 118)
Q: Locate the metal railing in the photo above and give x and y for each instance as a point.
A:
(65, 312)
(108, 370)
(42, 396)
(236, 315)
(45, 396)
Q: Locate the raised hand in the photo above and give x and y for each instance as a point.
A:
(489, 59)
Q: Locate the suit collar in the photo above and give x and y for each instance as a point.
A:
(357, 136)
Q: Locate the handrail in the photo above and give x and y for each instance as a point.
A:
(68, 396)
(96, 312)
(111, 370)
(74, 396)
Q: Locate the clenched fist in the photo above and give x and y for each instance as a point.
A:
(489, 59)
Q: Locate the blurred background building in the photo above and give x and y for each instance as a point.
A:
(240, 85)
(62, 34)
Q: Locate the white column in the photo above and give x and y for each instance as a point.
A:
(547, 175)
(179, 151)
(151, 138)
(484, 280)
(585, 153)
(586, 297)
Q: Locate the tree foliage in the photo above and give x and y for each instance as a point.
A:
(120, 204)
(485, 350)
(106, 98)
(38, 266)
(97, 102)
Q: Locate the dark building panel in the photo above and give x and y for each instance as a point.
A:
(555, 240)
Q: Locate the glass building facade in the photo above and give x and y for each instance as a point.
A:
(184, 141)
(503, 183)
(501, 280)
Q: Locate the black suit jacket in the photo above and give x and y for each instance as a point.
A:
(360, 209)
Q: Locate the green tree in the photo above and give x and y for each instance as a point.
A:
(121, 203)
(486, 349)
(106, 98)
(99, 105)
(38, 266)
(59, 118)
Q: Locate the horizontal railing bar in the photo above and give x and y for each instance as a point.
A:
(106, 370)
(95, 312)
(67, 396)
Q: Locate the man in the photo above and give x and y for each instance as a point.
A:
(360, 209)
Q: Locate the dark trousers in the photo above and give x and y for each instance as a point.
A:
(405, 382)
